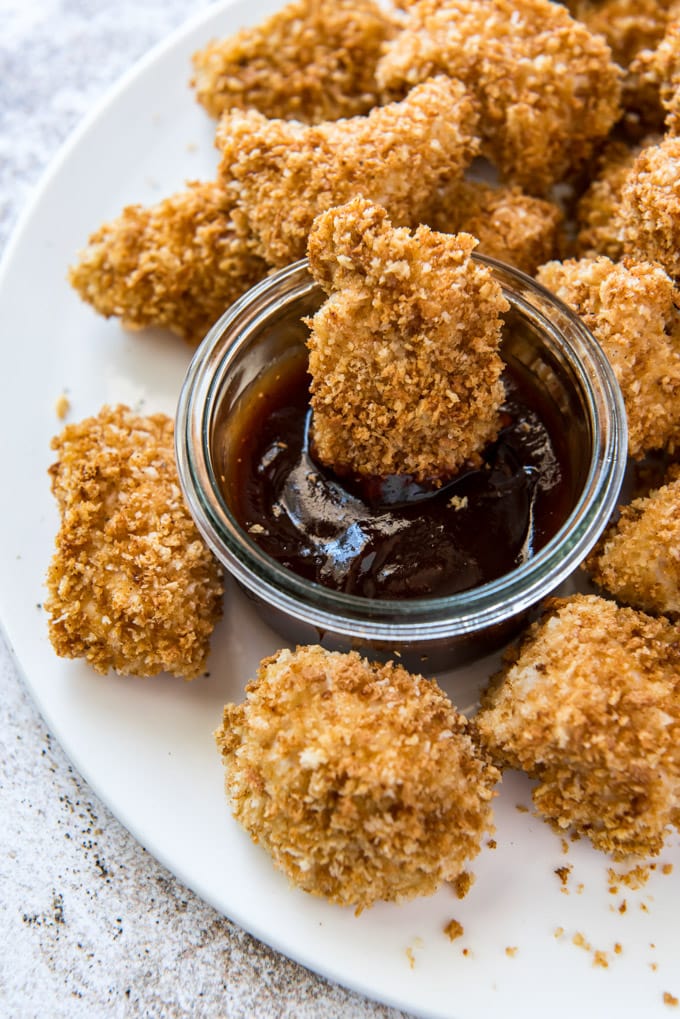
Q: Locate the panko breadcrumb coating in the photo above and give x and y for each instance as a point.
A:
(633, 309)
(638, 558)
(177, 264)
(654, 75)
(359, 780)
(132, 586)
(509, 225)
(589, 705)
(598, 213)
(650, 206)
(283, 173)
(313, 60)
(548, 88)
(404, 354)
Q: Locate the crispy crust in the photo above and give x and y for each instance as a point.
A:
(404, 355)
(132, 587)
(283, 173)
(509, 225)
(589, 705)
(634, 311)
(538, 123)
(178, 264)
(598, 213)
(314, 60)
(650, 206)
(359, 780)
(638, 559)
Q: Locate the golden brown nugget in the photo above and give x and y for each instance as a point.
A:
(132, 587)
(404, 354)
(589, 706)
(650, 206)
(509, 225)
(359, 780)
(548, 89)
(598, 213)
(283, 173)
(177, 264)
(628, 25)
(314, 60)
(638, 559)
(633, 309)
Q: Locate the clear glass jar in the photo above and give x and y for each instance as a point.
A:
(547, 340)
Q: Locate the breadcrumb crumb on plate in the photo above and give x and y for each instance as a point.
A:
(132, 586)
(361, 781)
(404, 354)
(589, 705)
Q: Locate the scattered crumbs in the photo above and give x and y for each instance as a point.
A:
(667, 868)
(466, 952)
(565, 846)
(522, 809)
(511, 951)
(463, 884)
(600, 959)
(613, 889)
(634, 878)
(653, 966)
(652, 945)
(617, 948)
(411, 957)
(644, 907)
(563, 873)
(458, 502)
(580, 942)
(558, 932)
(623, 906)
(256, 529)
(62, 406)
(492, 844)
(670, 999)
(418, 942)
(579, 888)
(453, 930)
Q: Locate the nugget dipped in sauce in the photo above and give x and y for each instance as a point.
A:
(589, 706)
(360, 780)
(404, 354)
(132, 586)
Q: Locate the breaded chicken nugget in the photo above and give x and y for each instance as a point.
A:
(628, 25)
(589, 705)
(177, 264)
(312, 61)
(509, 225)
(132, 587)
(638, 558)
(634, 311)
(404, 355)
(654, 75)
(283, 173)
(598, 213)
(359, 780)
(650, 206)
(547, 88)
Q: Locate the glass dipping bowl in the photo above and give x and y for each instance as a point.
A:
(542, 337)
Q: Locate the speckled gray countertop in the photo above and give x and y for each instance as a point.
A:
(90, 924)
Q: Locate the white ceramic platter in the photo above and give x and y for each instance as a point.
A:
(146, 746)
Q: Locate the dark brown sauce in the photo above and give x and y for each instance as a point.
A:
(392, 538)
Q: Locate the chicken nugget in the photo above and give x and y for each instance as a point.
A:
(598, 212)
(177, 264)
(650, 206)
(638, 558)
(589, 706)
(314, 60)
(132, 586)
(509, 225)
(283, 173)
(633, 309)
(628, 25)
(548, 88)
(359, 780)
(404, 354)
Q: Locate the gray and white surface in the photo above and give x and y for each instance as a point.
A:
(90, 924)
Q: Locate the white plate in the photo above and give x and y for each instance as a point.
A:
(146, 746)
